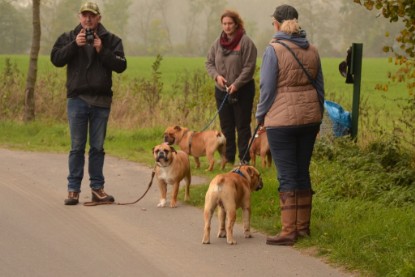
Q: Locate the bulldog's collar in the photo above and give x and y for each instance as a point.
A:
(237, 171)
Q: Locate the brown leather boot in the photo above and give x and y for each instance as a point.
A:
(100, 196)
(73, 198)
(304, 199)
(288, 234)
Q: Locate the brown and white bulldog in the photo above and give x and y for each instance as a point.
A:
(172, 167)
(260, 147)
(198, 144)
(231, 191)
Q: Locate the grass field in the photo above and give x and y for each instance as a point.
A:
(379, 109)
(374, 71)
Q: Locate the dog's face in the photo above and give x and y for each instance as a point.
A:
(171, 133)
(254, 175)
(163, 154)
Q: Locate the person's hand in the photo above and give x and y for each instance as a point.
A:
(231, 89)
(80, 38)
(260, 123)
(221, 81)
(97, 42)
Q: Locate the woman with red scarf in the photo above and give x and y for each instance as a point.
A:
(231, 62)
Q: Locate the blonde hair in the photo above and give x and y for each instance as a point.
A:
(290, 26)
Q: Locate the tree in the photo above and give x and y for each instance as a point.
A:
(157, 38)
(396, 10)
(57, 17)
(116, 15)
(193, 36)
(214, 9)
(29, 113)
(142, 22)
(13, 29)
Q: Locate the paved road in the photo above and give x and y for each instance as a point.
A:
(39, 236)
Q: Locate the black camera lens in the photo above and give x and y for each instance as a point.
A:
(89, 36)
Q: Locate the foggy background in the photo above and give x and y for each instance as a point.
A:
(188, 27)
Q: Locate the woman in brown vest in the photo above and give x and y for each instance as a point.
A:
(291, 108)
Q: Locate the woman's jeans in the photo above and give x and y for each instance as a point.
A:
(84, 119)
(236, 116)
(291, 149)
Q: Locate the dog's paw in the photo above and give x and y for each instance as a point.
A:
(247, 235)
(173, 204)
(162, 203)
(222, 234)
(231, 242)
(206, 242)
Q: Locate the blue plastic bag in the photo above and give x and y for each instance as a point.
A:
(341, 119)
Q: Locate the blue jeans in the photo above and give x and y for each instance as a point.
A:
(84, 119)
(291, 150)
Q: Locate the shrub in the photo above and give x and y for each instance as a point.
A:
(381, 171)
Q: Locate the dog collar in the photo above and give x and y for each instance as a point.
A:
(237, 171)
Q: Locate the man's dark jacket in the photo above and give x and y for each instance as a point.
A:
(89, 72)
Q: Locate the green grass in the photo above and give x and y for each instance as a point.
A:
(374, 71)
(137, 67)
(365, 236)
(37, 136)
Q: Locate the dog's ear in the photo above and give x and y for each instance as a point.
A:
(177, 128)
(152, 150)
(249, 171)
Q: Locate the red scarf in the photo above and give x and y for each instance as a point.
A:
(231, 44)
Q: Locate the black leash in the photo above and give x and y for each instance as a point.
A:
(90, 204)
(238, 170)
(247, 149)
(217, 112)
(210, 123)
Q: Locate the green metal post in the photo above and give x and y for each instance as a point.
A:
(356, 70)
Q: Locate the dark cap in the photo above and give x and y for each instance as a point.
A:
(89, 7)
(285, 12)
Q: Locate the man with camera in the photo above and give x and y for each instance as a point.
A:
(90, 54)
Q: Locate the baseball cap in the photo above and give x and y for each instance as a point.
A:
(285, 12)
(89, 7)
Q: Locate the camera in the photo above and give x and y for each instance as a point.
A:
(89, 36)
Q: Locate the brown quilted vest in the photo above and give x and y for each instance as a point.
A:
(297, 101)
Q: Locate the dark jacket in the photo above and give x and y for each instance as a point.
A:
(89, 72)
